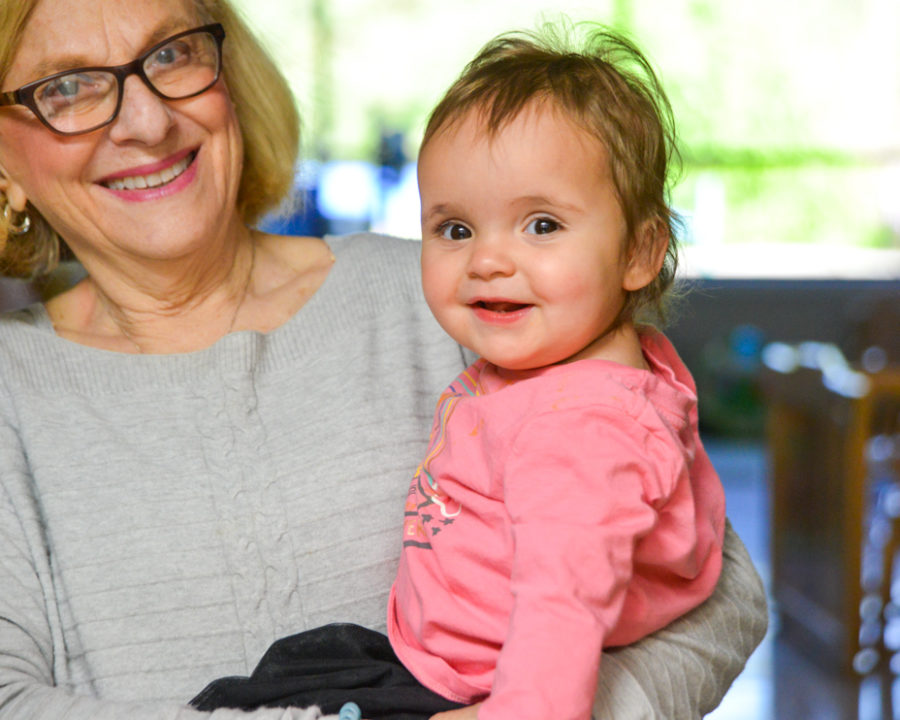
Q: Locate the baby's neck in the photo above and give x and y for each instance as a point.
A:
(621, 345)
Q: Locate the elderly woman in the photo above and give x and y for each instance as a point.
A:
(206, 442)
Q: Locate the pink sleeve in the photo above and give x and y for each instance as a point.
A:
(580, 487)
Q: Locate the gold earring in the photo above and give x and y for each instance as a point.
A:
(20, 228)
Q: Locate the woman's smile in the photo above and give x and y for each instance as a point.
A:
(154, 181)
(150, 176)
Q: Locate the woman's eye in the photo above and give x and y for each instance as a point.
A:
(175, 52)
(455, 231)
(68, 90)
(542, 226)
(67, 87)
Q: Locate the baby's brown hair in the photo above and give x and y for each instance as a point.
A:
(607, 87)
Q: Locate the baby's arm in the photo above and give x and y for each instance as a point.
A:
(685, 669)
(582, 487)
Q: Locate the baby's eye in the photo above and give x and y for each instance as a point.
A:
(455, 231)
(542, 226)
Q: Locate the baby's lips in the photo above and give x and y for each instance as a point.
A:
(500, 305)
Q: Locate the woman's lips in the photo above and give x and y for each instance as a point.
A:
(150, 176)
(154, 182)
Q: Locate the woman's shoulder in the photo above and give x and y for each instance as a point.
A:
(372, 286)
(25, 320)
(358, 258)
(23, 333)
(375, 247)
(370, 262)
(27, 346)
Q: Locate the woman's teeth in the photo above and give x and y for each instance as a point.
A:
(139, 182)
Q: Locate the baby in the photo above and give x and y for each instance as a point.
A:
(566, 503)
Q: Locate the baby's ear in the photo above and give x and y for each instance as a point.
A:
(648, 253)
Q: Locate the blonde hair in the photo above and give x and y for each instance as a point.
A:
(607, 87)
(264, 105)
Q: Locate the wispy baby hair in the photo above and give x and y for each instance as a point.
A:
(602, 82)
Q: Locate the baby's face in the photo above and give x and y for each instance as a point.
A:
(523, 239)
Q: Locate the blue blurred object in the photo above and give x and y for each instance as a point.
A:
(348, 192)
(344, 196)
(350, 711)
(304, 221)
(301, 216)
(728, 389)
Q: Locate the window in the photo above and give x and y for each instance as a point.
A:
(788, 113)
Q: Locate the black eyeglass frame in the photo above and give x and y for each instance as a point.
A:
(25, 94)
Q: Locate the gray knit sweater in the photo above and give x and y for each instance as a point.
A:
(164, 518)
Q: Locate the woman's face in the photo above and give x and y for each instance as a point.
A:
(188, 152)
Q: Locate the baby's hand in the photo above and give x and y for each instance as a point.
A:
(467, 713)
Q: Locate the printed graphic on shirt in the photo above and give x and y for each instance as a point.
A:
(429, 510)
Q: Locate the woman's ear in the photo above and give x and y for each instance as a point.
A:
(13, 192)
(648, 254)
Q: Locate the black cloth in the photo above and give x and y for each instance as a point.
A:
(328, 667)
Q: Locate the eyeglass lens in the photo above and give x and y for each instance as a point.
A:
(86, 99)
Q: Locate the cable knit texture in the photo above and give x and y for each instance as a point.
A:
(164, 518)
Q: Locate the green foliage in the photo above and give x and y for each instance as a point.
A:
(792, 106)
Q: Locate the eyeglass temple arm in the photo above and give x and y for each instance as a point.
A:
(9, 98)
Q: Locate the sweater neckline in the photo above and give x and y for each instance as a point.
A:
(53, 362)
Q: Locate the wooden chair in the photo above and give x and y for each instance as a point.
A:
(833, 537)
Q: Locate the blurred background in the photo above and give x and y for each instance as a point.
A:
(788, 114)
(789, 122)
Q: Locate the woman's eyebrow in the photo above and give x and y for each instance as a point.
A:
(59, 63)
(170, 27)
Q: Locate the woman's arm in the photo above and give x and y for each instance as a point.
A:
(684, 670)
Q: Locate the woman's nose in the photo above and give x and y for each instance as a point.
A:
(143, 116)
(490, 256)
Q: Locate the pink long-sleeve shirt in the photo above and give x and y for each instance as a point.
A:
(558, 511)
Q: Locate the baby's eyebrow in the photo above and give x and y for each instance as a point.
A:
(439, 209)
(544, 200)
